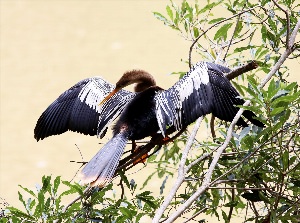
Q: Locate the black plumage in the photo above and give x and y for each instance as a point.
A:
(203, 90)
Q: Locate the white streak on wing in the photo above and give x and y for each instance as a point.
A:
(171, 107)
(112, 108)
(193, 80)
(94, 92)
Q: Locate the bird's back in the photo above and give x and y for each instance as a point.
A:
(139, 117)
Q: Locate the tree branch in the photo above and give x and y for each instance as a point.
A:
(181, 172)
(207, 179)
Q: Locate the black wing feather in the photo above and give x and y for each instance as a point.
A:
(203, 90)
(78, 110)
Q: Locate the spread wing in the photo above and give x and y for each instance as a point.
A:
(204, 89)
(78, 110)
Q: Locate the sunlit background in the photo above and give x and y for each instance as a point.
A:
(46, 47)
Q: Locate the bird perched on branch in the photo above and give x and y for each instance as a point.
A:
(91, 105)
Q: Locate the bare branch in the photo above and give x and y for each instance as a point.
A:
(181, 172)
(241, 70)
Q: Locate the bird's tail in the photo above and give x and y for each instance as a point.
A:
(101, 168)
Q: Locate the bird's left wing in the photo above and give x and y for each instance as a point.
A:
(78, 110)
(186, 100)
(204, 89)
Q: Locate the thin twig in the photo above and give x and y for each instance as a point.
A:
(235, 28)
(215, 24)
(287, 21)
(232, 200)
(195, 215)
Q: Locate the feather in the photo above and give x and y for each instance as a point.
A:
(202, 90)
(77, 109)
(100, 169)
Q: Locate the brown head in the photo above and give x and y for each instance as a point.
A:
(141, 78)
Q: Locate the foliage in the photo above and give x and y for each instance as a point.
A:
(45, 205)
(258, 174)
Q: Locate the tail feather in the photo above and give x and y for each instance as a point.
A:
(101, 168)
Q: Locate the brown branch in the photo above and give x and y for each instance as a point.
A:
(241, 70)
(156, 141)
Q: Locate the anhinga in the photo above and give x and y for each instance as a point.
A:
(92, 104)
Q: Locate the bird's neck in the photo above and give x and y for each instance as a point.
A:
(141, 78)
(141, 86)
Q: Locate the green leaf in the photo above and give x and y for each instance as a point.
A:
(278, 94)
(56, 184)
(222, 32)
(216, 20)
(16, 212)
(231, 204)
(285, 160)
(46, 183)
(238, 28)
(126, 212)
(162, 18)
(147, 180)
(196, 32)
(74, 187)
(124, 178)
(209, 7)
(243, 48)
(276, 111)
(264, 33)
(28, 191)
(170, 12)
(272, 24)
(149, 200)
(287, 98)
(40, 205)
(225, 217)
(21, 199)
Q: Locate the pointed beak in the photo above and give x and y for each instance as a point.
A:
(109, 96)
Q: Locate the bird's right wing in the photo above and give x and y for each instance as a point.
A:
(78, 109)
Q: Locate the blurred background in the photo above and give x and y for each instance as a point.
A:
(48, 46)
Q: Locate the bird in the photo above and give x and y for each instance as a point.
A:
(90, 106)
